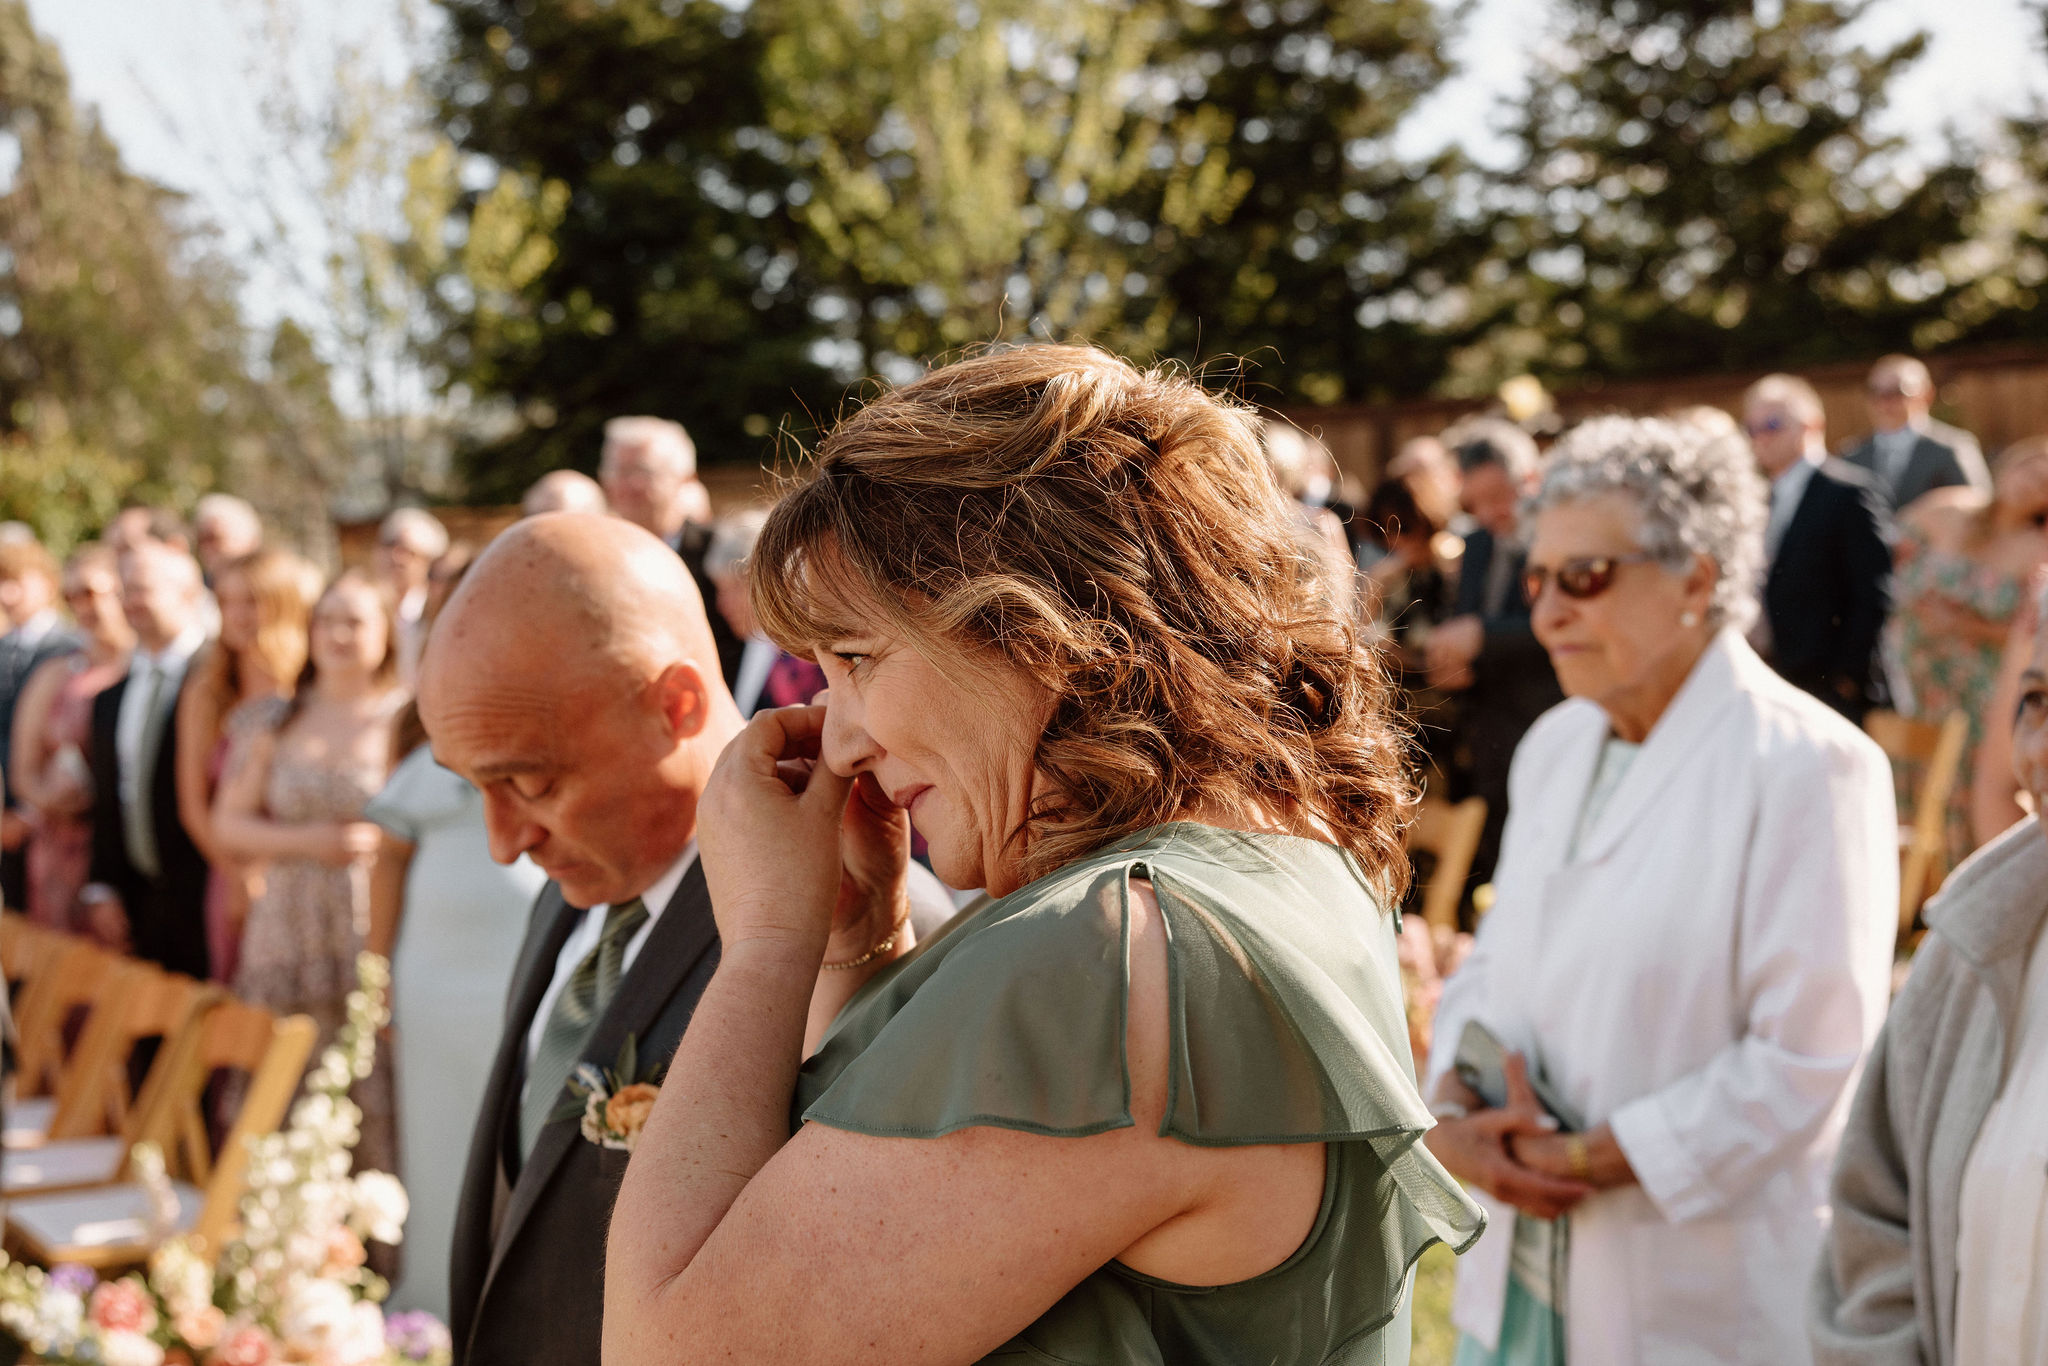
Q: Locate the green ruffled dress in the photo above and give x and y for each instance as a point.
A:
(1286, 1027)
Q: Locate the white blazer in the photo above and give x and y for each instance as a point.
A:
(1706, 976)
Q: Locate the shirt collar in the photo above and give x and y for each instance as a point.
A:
(1792, 481)
(179, 651)
(35, 629)
(663, 889)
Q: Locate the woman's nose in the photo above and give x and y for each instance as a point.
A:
(846, 747)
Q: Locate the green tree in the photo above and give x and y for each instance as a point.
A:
(651, 256)
(1701, 187)
(125, 366)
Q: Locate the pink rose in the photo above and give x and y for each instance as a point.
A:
(122, 1307)
(200, 1328)
(247, 1345)
(345, 1252)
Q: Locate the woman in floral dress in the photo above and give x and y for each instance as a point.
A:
(294, 798)
(1964, 562)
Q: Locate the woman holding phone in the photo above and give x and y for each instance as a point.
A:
(1691, 945)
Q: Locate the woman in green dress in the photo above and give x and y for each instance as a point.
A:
(1151, 1099)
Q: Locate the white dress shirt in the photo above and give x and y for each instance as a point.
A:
(132, 722)
(2002, 1245)
(1786, 491)
(756, 663)
(34, 630)
(1893, 449)
(585, 937)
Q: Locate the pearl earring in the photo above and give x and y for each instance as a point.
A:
(1689, 619)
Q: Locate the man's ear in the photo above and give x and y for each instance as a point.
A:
(683, 698)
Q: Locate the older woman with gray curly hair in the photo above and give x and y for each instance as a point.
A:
(1644, 1064)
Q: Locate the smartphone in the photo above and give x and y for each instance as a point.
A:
(1481, 1065)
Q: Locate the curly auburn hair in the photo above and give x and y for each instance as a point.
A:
(1114, 535)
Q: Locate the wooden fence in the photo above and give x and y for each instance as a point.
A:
(1999, 396)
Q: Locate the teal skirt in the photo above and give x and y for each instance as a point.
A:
(1531, 1334)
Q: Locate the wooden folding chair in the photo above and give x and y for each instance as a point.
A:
(95, 1124)
(76, 974)
(1450, 831)
(1932, 751)
(110, 1226)
(25, 946)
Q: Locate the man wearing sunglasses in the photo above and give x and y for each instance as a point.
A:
(1909, 453)
(1828, 587)
(1486, 653)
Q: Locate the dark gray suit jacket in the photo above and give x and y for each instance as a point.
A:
(527, 1269)
(1943, 456)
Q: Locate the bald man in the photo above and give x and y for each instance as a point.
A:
(148, 888)
(1908, 453)
(572, 678)
(563, 491)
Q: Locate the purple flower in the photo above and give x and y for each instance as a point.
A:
(417, 1335)
(79, 1280)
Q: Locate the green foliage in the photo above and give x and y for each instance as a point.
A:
(1699, 190)
(642, 258)
(125, 368)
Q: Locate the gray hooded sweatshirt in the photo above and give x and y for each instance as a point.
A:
(1886, 1287)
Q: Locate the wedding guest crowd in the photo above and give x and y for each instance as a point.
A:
(1648, 648)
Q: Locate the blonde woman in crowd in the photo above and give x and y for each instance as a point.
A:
(53, 734)
(265, 600)
(293, 799)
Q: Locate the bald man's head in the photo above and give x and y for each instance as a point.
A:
(563, 491)
(160, 591)
(572, 677)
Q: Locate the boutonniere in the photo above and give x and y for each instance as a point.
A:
(613, 1103)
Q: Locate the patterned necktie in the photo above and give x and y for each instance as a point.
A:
(578, 1008)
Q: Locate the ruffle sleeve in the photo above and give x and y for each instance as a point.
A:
(1285, 1019)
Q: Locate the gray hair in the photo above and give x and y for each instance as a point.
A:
(657, 434)
(1697, 493)
(418, 528)
(732, 542)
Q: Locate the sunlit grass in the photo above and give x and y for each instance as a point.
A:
(1435, 1340)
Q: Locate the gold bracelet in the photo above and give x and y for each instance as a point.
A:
(1578, 1156)
(877, 951)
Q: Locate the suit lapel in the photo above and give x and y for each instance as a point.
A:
(679, 939)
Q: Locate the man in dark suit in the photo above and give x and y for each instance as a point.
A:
(28, 600)
(1908, 453)
(148, 887)
(649, 474)
(1828, 588)
(562, 679)
(1486, 652)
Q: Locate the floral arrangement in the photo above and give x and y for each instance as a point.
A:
(613, 1103)
(291, 1287)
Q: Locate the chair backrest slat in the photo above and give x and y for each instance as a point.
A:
(1450, 831)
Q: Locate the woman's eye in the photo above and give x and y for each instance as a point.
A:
(850, 660)
(2034, 702)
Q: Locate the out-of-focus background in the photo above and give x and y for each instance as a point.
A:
(335, 256)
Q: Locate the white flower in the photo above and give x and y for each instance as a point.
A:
(593, 1117)
(130, 1349)
(360, 1340)
(313, 1311)
(180, 1277)
(58, 1317)
(380, 1207)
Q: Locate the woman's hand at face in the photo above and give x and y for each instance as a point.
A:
(1479, 1149)
(768, 830)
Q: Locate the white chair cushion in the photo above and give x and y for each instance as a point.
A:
(61, 1165)
(104, 1220)
(28, 1121)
